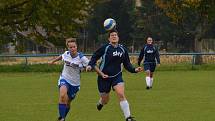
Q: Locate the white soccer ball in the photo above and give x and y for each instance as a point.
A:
(109, 24)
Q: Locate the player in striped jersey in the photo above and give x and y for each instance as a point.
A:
(69, 81)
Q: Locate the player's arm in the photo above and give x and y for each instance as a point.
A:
(128, 66)
(140, 58)
(99, 72)
(157, 56)
(55, 60)
(96, 56)
(84, 61)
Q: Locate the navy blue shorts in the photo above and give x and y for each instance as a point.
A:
(149, 66)
(71, 90)
(104, 85)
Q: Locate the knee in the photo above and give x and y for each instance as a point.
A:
(121, 96)
(105, 100)
(63, 98)
(148, 73)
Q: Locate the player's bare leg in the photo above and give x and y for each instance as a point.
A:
(148, 79)
(151, 79)
(119, 89)
(104, 98)
(63, 102)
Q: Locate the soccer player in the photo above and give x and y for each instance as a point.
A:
(69, 81)
(110, 72)
(151, 58)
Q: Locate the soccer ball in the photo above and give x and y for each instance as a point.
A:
(109, 24)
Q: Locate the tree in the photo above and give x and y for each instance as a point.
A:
(116, 9)
(42, 20)
(194, 16)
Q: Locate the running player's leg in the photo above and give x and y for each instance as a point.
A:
(104, 98)
(104, 87)
(118, 86)
(147, 71)
(68, 107)
(71, 92)
(63, 100)
(151, 79)
(119, 89)
(152, 69)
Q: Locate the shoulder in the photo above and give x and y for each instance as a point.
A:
(155, 47)
(81, 55)
(66, 53)
(124, 48)
(144, 47)
(103, 47)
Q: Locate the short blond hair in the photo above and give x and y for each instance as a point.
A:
(68, 40)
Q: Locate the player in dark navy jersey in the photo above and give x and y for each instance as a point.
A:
(110, 72)
(151, 58)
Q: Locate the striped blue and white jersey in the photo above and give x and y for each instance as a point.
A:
(72, 67)
(111, 60)
(150, 54)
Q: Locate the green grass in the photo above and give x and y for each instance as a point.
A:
(58, 68)
(176, 96)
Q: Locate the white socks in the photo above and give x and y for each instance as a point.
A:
(125, 108)
(149, 81)
(100, 101)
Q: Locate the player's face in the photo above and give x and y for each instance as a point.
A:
(113, 38)
(149, 40)
(72, 46)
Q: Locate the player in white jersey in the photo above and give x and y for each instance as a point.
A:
(69, 81)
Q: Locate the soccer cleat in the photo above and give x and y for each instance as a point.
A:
(99, 106)
(147, 87)
(130, 119)
(61, 119)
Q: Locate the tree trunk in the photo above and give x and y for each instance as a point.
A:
(198, 49)
(200, 31)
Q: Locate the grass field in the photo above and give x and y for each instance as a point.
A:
(176, 96)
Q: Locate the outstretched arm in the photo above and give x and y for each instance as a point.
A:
(55, 60)
(157, 56)
(127, 64)
(141, 56)
(96, 56)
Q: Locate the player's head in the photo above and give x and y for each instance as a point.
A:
(71, 45)
(149, 40)
(113, 36)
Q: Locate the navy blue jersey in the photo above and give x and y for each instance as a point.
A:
(112, 58)
(150, 54)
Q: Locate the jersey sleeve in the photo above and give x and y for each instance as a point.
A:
(141, 55)
(96, 56)
(127, 63)
(157, 55)
(84, 61)
(64, 55)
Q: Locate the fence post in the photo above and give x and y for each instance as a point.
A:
(193, 61)
(26, 62)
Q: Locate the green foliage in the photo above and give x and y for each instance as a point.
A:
(57, 68)
(194, 17)
(30, 68)
(43, 19)
(117, 9)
